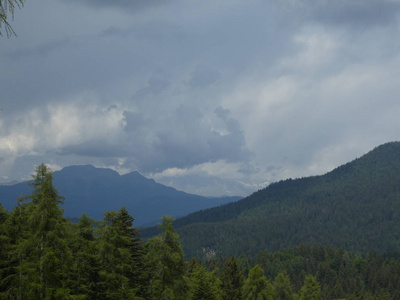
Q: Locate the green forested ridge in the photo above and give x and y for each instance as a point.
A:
(356, 206)
(45, 256)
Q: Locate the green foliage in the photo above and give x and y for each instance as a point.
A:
(257, 286)
(231, 280)
(15, 229)
(45, 249)
(44, 256)
(85, 277)
(283, 287)
(165, 260)
(121, 257)
(5, 247)
(202, 284)
(310, 290)
(355, 206)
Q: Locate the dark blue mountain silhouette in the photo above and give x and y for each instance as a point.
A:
(94, 191)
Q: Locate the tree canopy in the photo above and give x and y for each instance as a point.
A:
(43, 255)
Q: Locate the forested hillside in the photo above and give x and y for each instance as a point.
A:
(44, 256)
(356, 206)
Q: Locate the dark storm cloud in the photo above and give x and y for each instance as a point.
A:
(220, 87)
(184, 139)
(361, 14)
(39, 50)
(93, 148)
(121, 4)
(135, 121)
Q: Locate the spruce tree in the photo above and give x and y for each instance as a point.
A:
(231, 280)
(44, 253)
(165, 261)
(203, 285)
(283, 286)
(4, 251)
(311, 289)
(257, 286)
(15, 229)
(121, 256)
(85, 271)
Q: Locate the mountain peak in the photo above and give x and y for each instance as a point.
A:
(94, 191)
(84, 170)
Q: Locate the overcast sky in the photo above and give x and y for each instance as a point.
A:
(251, 91)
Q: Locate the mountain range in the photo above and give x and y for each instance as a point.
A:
(357, 206)
(94, 191)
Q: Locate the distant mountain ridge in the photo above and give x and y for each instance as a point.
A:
(94, 191)
(357, 205)
(206, 185)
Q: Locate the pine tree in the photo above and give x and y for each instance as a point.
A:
(283, 287)
(203, 285)
(138, 273)
(15, 229)
(43, 248)
(121, 257)
(231, 280)
(257, 286)
(383, 294)
(4, 251)
(165, 261)
(85, 278)
(311, 289)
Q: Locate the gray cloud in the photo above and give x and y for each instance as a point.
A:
(39, 50)
(155, 85)
(133, 5)
(256, 91)
(115, 31)
(183, 139)
(203, 77)
(359, 14)
(93, 148)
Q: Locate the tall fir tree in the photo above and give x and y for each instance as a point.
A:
(311, 289)
(122, 273)
(232, 280)
(165, 261)
(44, 251)
(15, 229)
(4, 251)
(85, 271)
(283, 286)
(203, 285)
(257, 286)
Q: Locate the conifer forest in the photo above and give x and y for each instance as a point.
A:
(43, 255)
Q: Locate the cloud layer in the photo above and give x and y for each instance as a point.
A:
(257, 90)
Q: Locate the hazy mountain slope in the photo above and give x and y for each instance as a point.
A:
(356, 205)
(94, 191)
(206, 185)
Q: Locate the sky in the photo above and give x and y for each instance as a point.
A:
(247, 92)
